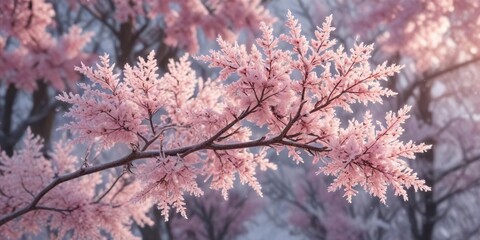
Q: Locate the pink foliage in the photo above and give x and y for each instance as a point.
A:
(362, 156)
(186, 128)
(298, 112)
(26, 20)
(184, 19)
(316, 214)
(430, 32)
(211, 217)
(166, 181)
(72, 206)
(37, 55)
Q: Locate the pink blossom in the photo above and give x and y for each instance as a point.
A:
(73, 207)
(38, 55)
(298, 111)
(430, 33)
(186, 129)
(183, 19)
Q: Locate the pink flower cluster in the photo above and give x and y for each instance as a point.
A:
(30, 53)
(293, 93)
(74, 208)
(186, 128)
(183, 20)
(429, 32)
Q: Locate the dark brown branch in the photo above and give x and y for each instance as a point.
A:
(151, 154)
(110, 188)
(62, 211)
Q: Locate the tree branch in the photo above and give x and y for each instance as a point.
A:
(409, 91)
(151, 154)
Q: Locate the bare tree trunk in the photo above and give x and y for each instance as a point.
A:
(44, 127)
(6, 122)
